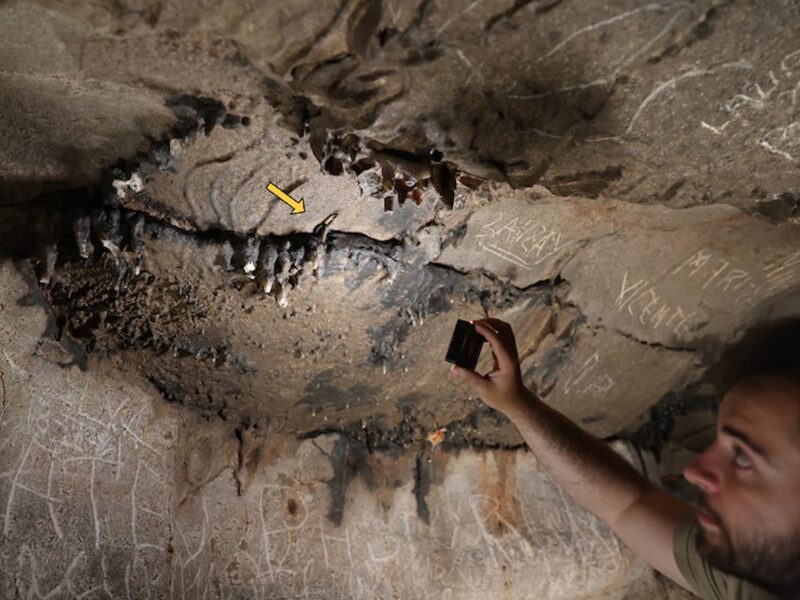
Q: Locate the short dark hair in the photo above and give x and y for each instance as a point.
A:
(771, 348)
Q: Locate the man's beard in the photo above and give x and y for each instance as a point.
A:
(770, 562)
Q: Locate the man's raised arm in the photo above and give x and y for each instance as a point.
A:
(595, 477)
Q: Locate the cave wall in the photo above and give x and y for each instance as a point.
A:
(109, 492)
(618, 181)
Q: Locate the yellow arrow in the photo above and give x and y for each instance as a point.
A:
(297, 207)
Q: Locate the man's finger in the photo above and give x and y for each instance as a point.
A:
(502, 353)
(506, 333)
(504, 329)
(478, 383)
(496, 323)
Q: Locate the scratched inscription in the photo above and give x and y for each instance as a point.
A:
(90, 512)
(522, 242)
(775, 89)
(589, 380)
(714, 279)
(642, 301)
(745, 287)
(91, 508)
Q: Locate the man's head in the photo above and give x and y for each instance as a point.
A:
(749, 478)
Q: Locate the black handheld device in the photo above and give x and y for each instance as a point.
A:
(465, 345)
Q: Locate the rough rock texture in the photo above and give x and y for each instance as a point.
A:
(109, 492)
(616, 180)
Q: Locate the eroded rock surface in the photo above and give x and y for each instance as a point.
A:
(618, 181)
(128, 496)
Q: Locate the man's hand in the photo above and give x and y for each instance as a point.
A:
(502, 387)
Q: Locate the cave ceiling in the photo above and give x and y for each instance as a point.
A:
(617, 180)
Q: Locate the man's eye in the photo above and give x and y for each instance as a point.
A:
(740, 459)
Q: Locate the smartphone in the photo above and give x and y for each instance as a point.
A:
(465, 345)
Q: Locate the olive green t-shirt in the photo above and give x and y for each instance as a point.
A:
(708, 582)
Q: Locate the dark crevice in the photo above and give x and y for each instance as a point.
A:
(776, 208)
(672, 190)
(314, 433)
(506, 14)
(318, 447)
(41, 221)
(589, 184)
(306, 49)
(540, 8)
(420, 15)
(363, 25)
(638, 340)
(547, 6)
(702, 29)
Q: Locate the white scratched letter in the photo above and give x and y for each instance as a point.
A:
(647, 309)
(725, 265)
(656, 319)
(731, 277)
(531, 235)
(511, 227)
(697, 261)
(486, 229)
(602, 386)
(623, 297)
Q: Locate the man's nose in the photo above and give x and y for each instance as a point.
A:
(703, 472)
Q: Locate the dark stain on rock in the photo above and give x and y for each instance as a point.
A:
(386, 339)
(673, 189)
(348, 461)
(359, 257)
(35, 295)
(472, 430)
(655, 433)
(549, 367)
(203, 112)
(57, 344)
(422, 484)
(170, 391)
(322, 392)
(417, 292)
(456, 235)
(779, 207)
(407, 402)
(109, 311)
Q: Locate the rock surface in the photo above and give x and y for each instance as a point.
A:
(618, 181)
(110, 492)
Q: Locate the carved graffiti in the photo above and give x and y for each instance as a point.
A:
(525, 243)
